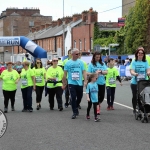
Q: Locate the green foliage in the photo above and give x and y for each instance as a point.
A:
(96, 31)
(137, 26)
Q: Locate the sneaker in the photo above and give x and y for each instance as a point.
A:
(66, 105)
(87, 117)
(108, 108)
(5, 110)
(97, 119)
(38, 107)
(73, 116)
(30, 110)
(24, 110)
(112, 108)
(79, 107)
(13, 108)
(134, 111)
(60, 109)
(51, 109)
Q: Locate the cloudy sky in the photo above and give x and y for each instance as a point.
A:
(54, 8)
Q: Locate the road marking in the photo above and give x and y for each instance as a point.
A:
(118, 103)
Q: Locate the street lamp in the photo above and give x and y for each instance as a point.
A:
(113, 44)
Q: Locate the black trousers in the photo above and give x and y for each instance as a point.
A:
(67, 94)
(9, 95)
(58, 91)
(134, 95)
(110, 95)
(101, 93)
(94, 107)
(39, 92)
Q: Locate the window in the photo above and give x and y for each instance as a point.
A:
(74, 44)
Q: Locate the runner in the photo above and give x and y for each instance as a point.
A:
(10, 79)
(27, 86)
(40, 75)
(75, 69)
(54, 76)
(99, 67)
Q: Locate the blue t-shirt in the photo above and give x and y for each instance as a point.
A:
(93, 69)
(74, 69)
(92, 89)
(139, 67)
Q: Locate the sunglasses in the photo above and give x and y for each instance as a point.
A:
(38, 62)
(77, 53)
(55, 60)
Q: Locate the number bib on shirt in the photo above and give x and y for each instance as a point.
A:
(75, 75)
(112, 81)
(24, 82)
(140, 77)
(38, 79)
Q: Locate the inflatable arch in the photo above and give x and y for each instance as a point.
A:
(32, 48)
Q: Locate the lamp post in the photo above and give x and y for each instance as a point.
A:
(63, 32)
(113, 44)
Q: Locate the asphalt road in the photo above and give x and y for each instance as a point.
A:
(53, 130)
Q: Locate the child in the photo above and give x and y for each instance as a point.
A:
(92, 95)
(111, 83)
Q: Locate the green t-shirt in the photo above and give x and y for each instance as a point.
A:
(9, 79)
(111, 77)
(64, 62)
(54, 73)
(26, 78)
(39, 76)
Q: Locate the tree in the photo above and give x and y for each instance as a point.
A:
(136, 27)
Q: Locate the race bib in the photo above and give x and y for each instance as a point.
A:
(112, 81)
(24, 82)
(38, 79)
(75, 75)
(140, 77)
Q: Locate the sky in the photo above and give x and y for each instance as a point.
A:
(54, 8)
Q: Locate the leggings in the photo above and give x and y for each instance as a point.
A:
(94, 107)
(101, 93)
(134, 95)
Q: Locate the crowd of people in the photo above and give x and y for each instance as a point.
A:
(71, 75)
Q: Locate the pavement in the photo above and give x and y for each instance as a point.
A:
(47, 129)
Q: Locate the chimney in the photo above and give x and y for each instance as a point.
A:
(33, 29)
(47, 25)
(92, 16)
(85, 16)
(54, 23)
(37, 28)
(42, 27)
(76, 17)
(59, 22)
(67, 19)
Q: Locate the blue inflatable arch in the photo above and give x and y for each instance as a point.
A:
(31, 47)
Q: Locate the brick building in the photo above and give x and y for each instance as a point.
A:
(18, 22)
(50, 37)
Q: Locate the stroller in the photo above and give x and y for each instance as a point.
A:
(143, 100)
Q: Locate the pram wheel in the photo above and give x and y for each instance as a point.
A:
(138, 116)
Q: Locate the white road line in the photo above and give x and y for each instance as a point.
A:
(118, 104)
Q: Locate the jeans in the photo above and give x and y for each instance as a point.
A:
(27, 97)
(9, 95)
(110, 95)
(76, 93)
(39, 92)
(58, 91)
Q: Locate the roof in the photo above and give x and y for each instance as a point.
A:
(51, 31)
(14, 14)
(37, 14)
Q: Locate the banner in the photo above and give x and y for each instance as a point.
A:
(9, 41)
